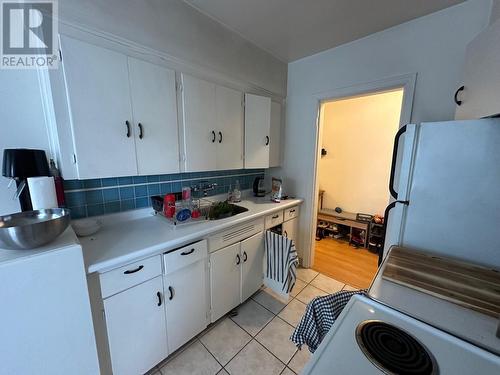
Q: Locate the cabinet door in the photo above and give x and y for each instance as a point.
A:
(99, 102)
(135, 321)
(257, 131)
(275, 136)
(225, 267)
(154, 108)
(290, 229)
(481, 76)
(229, 128)
(252, 269)
(186, 303)
(199, 124)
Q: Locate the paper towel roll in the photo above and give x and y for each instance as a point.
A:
(42, 192)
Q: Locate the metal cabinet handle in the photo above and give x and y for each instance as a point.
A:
(141, 131)
(394, 160)
(213, 136)
(275, 216)
(158, 294)
(238, 259)
(127, 123)
(220, 137)
(285, 233)
(172, 293)
(188, 252)
(267, 140)
(455, 97)
(128, 272)
(292, 211)
(245, 256)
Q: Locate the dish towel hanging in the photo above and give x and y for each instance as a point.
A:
(319, 317)
(281, 263)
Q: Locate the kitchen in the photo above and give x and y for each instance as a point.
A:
(183, 63)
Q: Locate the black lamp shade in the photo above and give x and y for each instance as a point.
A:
(23, 163)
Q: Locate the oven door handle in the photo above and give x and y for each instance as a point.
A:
(384, 228)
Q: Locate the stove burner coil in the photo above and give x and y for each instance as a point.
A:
(393, 350)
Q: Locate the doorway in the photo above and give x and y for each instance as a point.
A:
(356, 137)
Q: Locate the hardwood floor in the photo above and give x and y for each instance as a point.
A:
(335, 258)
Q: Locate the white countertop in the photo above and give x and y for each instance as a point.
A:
(122, 242)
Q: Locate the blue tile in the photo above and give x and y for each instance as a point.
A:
(110, 195)
(112, 207)
(127, 204)
(92, 183)
(75, 199)
(125, 180)
(153, 189)
(72, 184)
(154, 178)
(95, 209)
(141, 191)
(78, 212)
(93, 196)
(141, 202)
(126, 192)
(176, 187)
(165, 177)
(165, 188)
(177, 176)
(140, 179)
(109, 181)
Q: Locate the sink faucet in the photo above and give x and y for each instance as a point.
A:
(205, 187)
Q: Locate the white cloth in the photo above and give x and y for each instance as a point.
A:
(281, 263)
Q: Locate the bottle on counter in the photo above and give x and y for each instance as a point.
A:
(236, 195)
(58, 182)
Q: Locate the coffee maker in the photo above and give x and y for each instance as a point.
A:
(21, 163)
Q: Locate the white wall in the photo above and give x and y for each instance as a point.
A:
(433, 46)
(22, 123)
(495, 11)
(358, 135)
(171, 27)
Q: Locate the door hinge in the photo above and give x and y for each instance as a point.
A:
(178, 86)
(103, 315)
(60, 55)
(74, 158)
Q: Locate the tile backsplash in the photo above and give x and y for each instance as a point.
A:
(110, 195)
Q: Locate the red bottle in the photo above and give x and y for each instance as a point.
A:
(58, 181)
(169, 205)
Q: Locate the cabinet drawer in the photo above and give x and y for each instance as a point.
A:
(273, 219)
(291, 213)
(127, 276)
(184, 256)
(235, 234)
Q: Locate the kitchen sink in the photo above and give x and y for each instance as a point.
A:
(222, 210)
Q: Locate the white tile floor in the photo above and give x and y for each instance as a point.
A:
(256, 341)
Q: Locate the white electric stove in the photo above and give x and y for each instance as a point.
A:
(423, 314)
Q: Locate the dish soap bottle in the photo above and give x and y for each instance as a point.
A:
(236, 196)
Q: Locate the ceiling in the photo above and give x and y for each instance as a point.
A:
(292, 29)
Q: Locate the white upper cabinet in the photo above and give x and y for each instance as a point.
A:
(199, 123)
(152, 89)
(257, 131)
(123, 112)
(212, 126)
(99, 99)
(229, 113)
(275, 135)
(481, 79)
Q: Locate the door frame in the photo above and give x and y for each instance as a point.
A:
(406, 81)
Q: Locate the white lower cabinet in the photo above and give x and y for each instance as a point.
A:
(186, 303)
(236, 272)
(225, 279)
(136, 327)
(252, 266)
(290, 229)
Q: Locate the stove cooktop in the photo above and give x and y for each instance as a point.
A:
(371, 338)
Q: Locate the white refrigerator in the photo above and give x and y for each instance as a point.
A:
(445, 185)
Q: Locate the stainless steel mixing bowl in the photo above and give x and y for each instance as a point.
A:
(31, 229)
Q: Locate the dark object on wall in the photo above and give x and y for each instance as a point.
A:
(21, 163)
(324, 152)
(338, 210)
(458, 102)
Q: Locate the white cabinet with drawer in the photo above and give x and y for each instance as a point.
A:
(186, 293)
(236, 272)
(273, 219)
